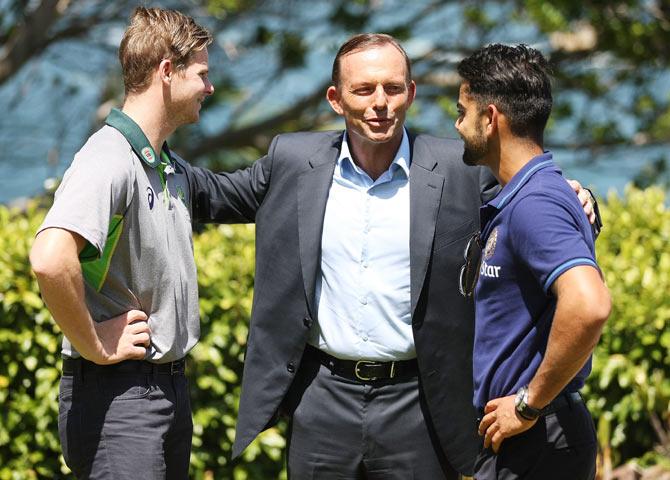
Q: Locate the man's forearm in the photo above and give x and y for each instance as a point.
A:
(227, 197)
(568, 348)
(55, 261)
(581, 311)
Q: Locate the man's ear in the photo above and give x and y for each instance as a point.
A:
(333, 97)
(411, 91)
(166, 71)
(491, 119)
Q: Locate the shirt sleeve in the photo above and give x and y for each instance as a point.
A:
(96, 187)
(548, 236)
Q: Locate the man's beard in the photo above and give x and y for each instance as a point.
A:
(474, 149)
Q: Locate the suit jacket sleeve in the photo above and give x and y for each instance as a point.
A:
(230, 197)
(488, 185)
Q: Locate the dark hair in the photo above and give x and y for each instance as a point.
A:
(516, 80)
(364, 41)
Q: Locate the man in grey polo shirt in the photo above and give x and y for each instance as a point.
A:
(114, 261)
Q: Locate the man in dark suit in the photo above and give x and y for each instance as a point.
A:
(358, 331)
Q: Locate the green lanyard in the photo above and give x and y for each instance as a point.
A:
(161, 167)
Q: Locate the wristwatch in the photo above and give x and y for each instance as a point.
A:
(521, 404)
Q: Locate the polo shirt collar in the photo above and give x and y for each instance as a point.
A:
(402, 157)
(137, 139)
(537, 163)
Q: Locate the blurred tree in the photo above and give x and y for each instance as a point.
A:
(271, 63)
(628, 40)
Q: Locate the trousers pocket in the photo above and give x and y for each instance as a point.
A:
(126, 386)
(570, 427)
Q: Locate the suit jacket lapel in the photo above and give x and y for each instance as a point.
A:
(425, 191)
(313, 187)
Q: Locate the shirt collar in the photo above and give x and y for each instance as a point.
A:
(137, 140)
(537, 163)
(402, 156)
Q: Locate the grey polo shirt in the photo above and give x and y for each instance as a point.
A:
(140, 249)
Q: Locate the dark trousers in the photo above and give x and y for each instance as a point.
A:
(342, 429)
(125, 425)
(560, 446)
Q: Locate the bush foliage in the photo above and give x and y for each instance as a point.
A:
(628, 391)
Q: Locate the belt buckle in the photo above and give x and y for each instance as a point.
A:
(371, 364)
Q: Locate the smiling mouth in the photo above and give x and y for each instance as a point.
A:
(379, 122)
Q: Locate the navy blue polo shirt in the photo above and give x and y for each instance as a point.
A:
(533, 231)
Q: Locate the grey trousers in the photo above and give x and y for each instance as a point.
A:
(126, 425)
(342, 429)
(560, 446)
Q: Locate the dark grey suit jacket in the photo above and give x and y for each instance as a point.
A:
(285, 194)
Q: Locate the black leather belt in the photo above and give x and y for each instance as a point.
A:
(75, 365)
(365, 371)
(562, 401)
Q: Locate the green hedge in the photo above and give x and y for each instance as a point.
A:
(30, 360)
(629, 386)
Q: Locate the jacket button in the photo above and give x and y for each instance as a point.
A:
(307, 322)
(290, 367)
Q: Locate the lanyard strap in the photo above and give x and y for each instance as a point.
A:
(164, 168)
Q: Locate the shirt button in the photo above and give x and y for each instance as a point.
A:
(307, 322)
(365, 338)
(363, 300)
(290, 367)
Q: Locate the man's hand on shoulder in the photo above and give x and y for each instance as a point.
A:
(501, 421)
(585, 198)
(124, 337)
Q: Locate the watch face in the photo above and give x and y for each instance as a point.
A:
(519, 400)
(522, 407)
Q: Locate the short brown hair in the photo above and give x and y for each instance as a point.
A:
(364, 41)
(155, 34)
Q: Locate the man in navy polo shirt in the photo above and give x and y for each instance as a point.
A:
(540, 298)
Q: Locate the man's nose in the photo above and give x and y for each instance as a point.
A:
(380, 98)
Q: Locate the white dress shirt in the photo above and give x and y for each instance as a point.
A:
(363, 290)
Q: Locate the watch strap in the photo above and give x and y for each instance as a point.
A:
(521, 404)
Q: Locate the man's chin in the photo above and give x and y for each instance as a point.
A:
(192, 119)
(382, 136)
(470, 161)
